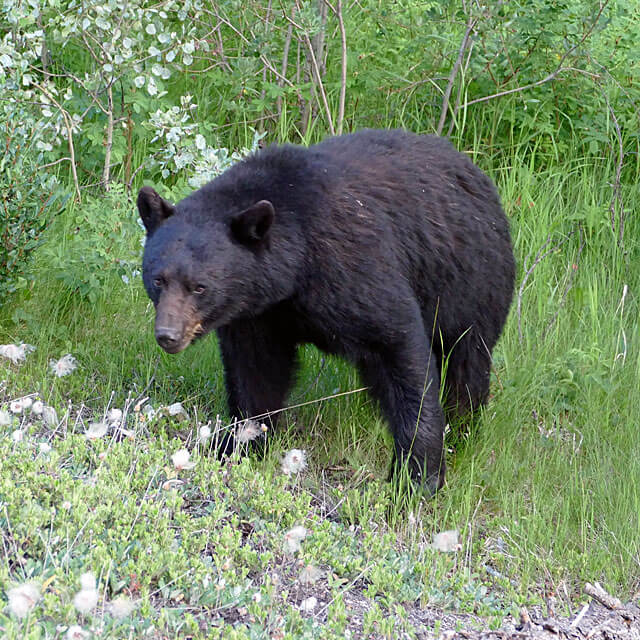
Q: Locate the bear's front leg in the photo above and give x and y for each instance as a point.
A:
(405, 381)
(259, 364)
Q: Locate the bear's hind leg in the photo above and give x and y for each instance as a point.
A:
(467, 377)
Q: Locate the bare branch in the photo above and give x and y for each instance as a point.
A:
(559, 69)
(471, 23)
(337, 10)
(109, 139)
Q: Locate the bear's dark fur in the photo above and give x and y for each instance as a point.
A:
(388, 248)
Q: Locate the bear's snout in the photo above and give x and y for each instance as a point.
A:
(169, 339)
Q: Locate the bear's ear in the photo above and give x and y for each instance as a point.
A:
(252, 225)
(153, 209)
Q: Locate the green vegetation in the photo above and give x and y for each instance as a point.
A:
(542, 486)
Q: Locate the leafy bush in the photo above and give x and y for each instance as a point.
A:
(28, 199)
(103, 241)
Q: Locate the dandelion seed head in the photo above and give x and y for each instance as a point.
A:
(176, 410)
(64, 366)
(17, 435)
(96, 430)
(310, 574)
(16, 406)
(88, 581)
(76, 632)
(114, 415)
(308, 604)
(447, 541)
(293, 537)
(44, 448)
(5, 418)
(181, 460)
(121, 607)
(50, 416)
(247, 430)
(204, 433)
(37, 407)
(294, 462)
(23, 598)
(85, 600)
(16, 352)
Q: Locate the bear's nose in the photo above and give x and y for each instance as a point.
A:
(167, 337)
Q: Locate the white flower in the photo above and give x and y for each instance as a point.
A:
(114, 415)
(16, 352)
(76, 632)
(204, 433)
(5, 418)
(17, 435)
(247, 430)
(23, 598)
(50, 416)
(96, 430)
(121, 607)
(180, 460)
(308, 604)
(447, 541)
(44, 448)
(66, 505)
(63, 367)
(293, 537)
(87, 598)
(294, 462)
(37, 407)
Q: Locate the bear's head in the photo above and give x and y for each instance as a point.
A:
(207, 262)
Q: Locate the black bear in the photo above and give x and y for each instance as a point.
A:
(388, 248)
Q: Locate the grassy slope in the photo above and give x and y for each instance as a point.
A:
(542, 487)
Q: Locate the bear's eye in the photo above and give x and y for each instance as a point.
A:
(158, 282)
(199, 289)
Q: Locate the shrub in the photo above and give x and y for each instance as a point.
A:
(29, 198)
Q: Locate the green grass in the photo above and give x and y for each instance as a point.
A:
(542, 486)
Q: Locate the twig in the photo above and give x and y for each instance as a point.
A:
(581, 615)
(69, 127)
(471, 23)
(302, 404)
(539, 257)
(316, 72)
(599, 594)
(337, 10)
(285, 64)
(617, 191)
(573, 272)
(109, 140)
